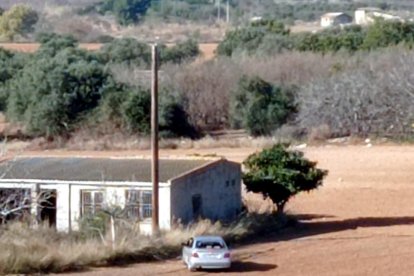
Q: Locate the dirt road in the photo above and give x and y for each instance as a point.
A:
(361, 222)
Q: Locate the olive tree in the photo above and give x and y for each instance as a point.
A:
(278, 173)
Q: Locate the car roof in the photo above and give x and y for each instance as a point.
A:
(208, 238)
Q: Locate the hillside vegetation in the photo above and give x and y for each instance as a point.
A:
(339, 82)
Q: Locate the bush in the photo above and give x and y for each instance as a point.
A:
(179, 53)
(260, 107)
(126, 11)
(246, 39)
(278, 173)
(50, 94)
(127, 51)
(173, 119)
(371, 98)
(136, 111)
(19, 20)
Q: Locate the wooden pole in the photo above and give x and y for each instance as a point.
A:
(228, 12)
(154, 140)
(219, 11)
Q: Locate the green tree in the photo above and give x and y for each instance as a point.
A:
(19, 20)
(126, 11)
(127, 51)
(136, 111)
(180, 52)
(246, 39)
(50, 94)
(386, 33)
(260, 107)
(278, 173)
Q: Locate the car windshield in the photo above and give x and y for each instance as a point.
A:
(210, 244)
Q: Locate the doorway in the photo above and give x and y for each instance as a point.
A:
(197, 206)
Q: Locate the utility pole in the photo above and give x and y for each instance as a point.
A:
(218, 10)
(154, 140)
(228, 12)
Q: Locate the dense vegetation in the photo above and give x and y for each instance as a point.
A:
(18, 20)
(265, 39)
(52, 91)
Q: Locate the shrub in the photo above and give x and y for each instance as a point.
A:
(260, 107)
(173, 119)
(136, 111)
(246, 39)
(371, 98)
(126, 11)
(51, 93)
(19, 20)
(127, 51)
(278, 173)
(179, 53)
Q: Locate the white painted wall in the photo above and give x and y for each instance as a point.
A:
(114, 193)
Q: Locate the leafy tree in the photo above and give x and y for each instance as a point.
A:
(179, 53)
(136, 111)
(19, 20)
(278, 173)
(126, 11)
(52, 43)
(174, 119)
(50, 94)
(386, 33)
(247, 39)
(260, 107)
(127, 51)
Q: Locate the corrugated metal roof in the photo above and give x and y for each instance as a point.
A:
(94, 169)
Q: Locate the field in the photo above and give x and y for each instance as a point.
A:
(359, 223)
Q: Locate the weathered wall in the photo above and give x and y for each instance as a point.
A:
(114, 193)
(219, 186)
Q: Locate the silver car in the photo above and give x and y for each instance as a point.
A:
(206, 252)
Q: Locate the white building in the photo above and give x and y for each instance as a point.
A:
(188, 189)
(335, 19)
(365, 16)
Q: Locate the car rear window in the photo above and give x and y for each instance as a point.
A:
(209, 244)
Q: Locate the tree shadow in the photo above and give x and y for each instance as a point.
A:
(309, 228)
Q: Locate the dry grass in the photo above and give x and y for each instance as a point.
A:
(43, 250)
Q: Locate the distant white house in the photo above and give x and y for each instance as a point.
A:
(335, 19)
(365, 16)
(188, 189)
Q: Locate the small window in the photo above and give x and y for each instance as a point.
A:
(92, 202)
(227, 183)
(138, 204)
(233, 182)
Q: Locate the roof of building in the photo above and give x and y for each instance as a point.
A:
(95, 169)
(333, 14)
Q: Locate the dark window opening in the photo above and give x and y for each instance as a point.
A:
(47, 207)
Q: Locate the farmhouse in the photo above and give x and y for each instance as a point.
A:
(365, 16)
(188, 189)
(335, 19)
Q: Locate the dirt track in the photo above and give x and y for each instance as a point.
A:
(360, 223)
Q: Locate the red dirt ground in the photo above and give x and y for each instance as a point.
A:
(207, 49)
(361, 222)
